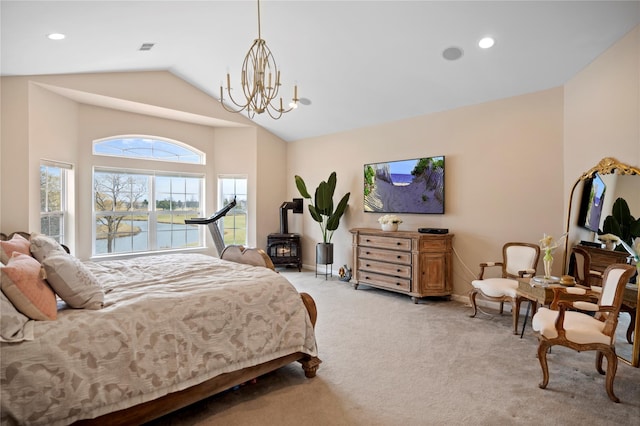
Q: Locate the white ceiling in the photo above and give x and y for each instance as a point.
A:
(358, 62)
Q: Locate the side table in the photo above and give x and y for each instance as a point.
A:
(537, 293)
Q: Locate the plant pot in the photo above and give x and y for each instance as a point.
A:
(389, 226)
(324, 253)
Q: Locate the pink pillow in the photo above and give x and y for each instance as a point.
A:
(16, 243)
(23, 286)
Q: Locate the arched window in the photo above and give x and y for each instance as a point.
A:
(143, 209)
(148, 148)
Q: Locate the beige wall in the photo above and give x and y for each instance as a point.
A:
(602, 119)
(509, 163)
(503, 164)
(58, 118)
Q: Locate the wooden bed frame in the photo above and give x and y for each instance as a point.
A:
(166, 404)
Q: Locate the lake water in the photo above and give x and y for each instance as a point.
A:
(168, 236)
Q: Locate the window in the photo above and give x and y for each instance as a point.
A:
(144, 210)
(149, 149)
(137, 211)
(53, 199)
(234, 224)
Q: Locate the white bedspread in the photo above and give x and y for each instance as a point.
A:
(169, 322)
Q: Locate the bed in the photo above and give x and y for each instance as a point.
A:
(172, 329)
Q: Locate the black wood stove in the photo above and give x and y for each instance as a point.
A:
(284, 248)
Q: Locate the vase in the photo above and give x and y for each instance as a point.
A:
(389, 226)
(324, 253)
(547, 261)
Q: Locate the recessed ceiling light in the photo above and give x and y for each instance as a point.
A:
(452, 53)
(486, 42)
(55, 36)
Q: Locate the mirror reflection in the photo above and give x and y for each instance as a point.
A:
(594, 205)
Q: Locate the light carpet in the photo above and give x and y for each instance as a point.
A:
(388, 361)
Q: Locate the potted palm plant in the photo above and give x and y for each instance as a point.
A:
(322, 211)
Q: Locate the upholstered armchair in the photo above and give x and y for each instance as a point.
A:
(581, 331)
(580, 266)
(518, 260)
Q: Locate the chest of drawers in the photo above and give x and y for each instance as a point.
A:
(416, 264)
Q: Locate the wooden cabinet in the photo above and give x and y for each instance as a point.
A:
(600, 259)
(416, 264)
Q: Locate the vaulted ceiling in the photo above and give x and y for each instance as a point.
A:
(356, 63)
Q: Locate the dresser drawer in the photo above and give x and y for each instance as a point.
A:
(384, 255)
(385, 242)
(395, 270)
(386, 281)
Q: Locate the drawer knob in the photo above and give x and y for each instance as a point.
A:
(398, 270)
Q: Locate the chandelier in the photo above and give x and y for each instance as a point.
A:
(260, 80)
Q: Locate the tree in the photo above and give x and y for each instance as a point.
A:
(117, 192)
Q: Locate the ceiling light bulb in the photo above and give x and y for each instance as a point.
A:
(486, 42)
(56, 36)
(293, 105)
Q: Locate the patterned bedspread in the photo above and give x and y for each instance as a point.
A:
(169, 322)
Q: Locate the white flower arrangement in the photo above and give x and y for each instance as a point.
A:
(389, 218)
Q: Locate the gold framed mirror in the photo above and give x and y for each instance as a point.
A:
(624, 182)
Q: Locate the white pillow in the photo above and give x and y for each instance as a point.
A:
(73, 282)
(43, 246)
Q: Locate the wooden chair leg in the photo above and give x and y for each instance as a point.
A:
(599, 356)
(472, 299)
(542, 357)
(612, 367)
(501, 307)
(632, 326)
(515, 306)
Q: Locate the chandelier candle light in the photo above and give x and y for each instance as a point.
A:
(260, 81)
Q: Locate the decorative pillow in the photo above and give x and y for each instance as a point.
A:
(43, 246)
(16, 243)
(73, 282)
(24, 287)
(14, 327)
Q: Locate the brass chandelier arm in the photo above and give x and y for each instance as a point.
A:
(260, 81)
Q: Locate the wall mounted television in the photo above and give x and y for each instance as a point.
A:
(591, 205)
(406, 186)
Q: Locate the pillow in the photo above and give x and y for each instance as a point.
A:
(73, 282)
(43, 246)
(14, 327)
(16, 243)
(24, 287)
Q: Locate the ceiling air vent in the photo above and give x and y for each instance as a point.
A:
(146, 46)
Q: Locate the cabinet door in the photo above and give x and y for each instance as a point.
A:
(433, 273)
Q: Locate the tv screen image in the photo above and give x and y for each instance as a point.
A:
(406, 186)
(591, 206)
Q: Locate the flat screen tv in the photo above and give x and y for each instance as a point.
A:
(591, 205)
(407, 186)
